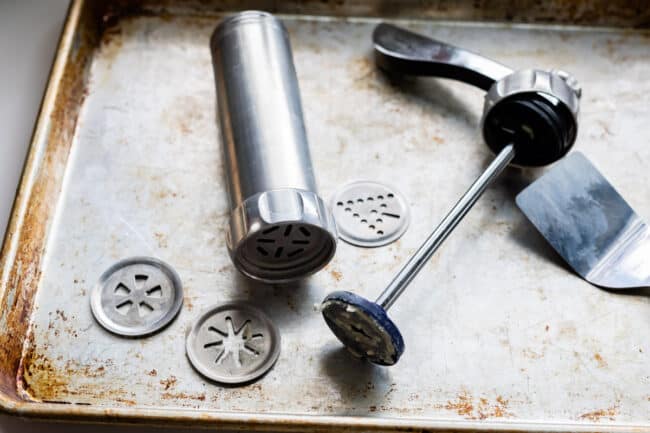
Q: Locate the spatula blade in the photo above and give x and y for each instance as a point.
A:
(589, 224)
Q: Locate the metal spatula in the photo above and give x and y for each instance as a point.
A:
(589, 224)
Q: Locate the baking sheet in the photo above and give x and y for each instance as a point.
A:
(500, 334)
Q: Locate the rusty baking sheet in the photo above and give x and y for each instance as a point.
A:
(500, 335)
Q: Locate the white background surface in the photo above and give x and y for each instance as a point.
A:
(29, 32)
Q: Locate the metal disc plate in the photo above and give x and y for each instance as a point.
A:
(370, 214)
(233, 343)
(137, 296)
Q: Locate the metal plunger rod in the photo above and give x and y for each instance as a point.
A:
(424, 253)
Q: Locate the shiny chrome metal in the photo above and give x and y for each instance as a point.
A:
(137, 297)
(550, 98)
(554, 83)
(444, 229)
(403, 52)
(269, 171)
(233, 343)
(370, 214)
(589, 224)
(559, 87)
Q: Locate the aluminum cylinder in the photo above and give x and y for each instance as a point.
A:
(279, 229)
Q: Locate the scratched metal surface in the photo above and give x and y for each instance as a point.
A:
(499, 333)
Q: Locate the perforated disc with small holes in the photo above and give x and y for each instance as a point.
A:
(233, 343)
(137, 296)
(370, 214)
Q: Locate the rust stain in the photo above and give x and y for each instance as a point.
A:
(46, 169)
(291, 303)
(598, 414)
(187, 302)
(184, 127)
(61, 315)
(391, 389)
(599, 359)
(92, 371)
(164, 194)
(161, 239)
(183, 114)
(568, 330)
(169, 382)
(39, 378)
(462, 405)
(531, 354)
(466, 406)
(498, 409)
(111, 44)
(152, 373)
(362, 68)
(623, 13)
(336, 274)
(182, 396)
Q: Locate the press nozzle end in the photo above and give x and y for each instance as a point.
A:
(281, 235)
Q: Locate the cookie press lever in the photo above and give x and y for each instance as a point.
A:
(535, 110)
(529, 119)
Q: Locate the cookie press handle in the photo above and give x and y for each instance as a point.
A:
(406, 53)
(533, 109)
